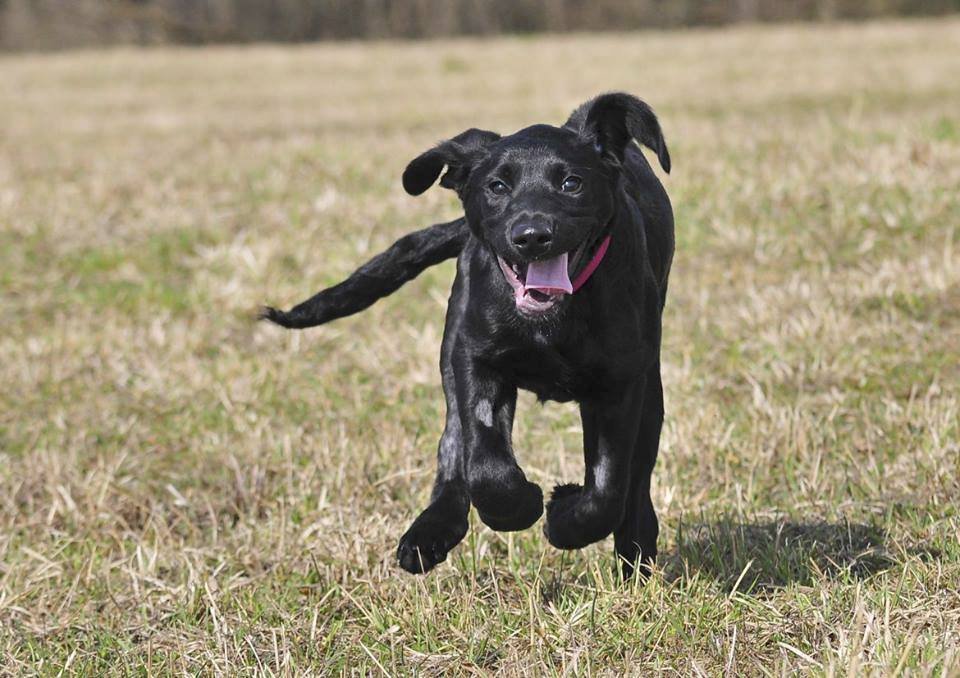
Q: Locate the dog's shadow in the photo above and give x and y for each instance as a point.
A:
(763, 556)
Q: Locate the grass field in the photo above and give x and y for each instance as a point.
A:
(183, 490)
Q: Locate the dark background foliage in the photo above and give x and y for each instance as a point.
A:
(59, 24)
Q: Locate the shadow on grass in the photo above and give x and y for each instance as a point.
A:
(779, 553)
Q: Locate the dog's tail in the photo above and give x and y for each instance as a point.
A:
(379, 277)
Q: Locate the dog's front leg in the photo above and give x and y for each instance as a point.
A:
(580, 515)
(443, 524)
(504, 498)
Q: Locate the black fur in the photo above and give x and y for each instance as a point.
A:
(571, 186)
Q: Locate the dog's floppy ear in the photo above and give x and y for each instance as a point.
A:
(458, 154)
(611, 120)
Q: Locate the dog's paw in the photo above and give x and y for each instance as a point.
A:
(428, 541)
(560, 510)
(564, 492)
(524, 508)
(575, 520)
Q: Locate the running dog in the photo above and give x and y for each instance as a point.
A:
(563, 255)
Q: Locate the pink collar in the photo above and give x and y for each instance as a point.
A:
(592, 266)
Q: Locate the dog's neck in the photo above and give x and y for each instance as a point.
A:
(592, 265)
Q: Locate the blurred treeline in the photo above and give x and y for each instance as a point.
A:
(56, 24)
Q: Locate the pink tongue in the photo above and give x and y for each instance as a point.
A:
(549, 275)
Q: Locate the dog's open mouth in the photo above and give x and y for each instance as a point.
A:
(539, 285)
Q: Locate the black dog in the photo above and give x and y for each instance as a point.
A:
(563, 258)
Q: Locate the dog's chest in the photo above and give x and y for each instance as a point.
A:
(555, 372)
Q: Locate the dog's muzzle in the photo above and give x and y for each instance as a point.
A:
(539, 285)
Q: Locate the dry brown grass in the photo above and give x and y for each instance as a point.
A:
(182, 490)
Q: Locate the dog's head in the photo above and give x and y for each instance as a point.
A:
(542, 198)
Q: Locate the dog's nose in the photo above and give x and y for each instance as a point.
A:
(531, 238)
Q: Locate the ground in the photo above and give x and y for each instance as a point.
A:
(185, 490)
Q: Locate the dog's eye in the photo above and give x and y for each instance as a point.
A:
(571, 185)
(499, 188)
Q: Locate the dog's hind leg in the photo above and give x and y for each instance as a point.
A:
(635, 539)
